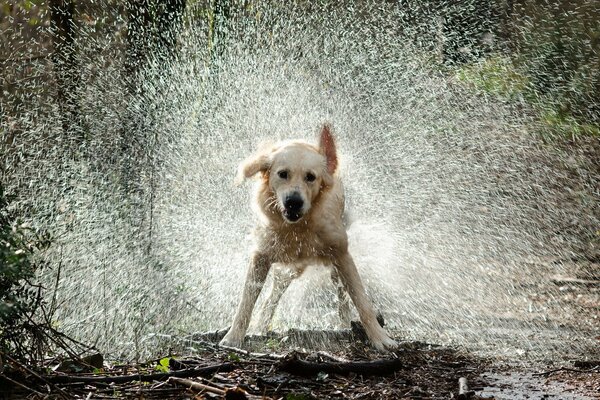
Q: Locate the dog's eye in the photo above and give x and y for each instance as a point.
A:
(283, 174)
(310, 177)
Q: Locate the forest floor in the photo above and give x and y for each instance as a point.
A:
(198, 368)
(415, 371)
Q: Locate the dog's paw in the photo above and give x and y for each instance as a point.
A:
(231, 341)
(383, 342)
(387, 344)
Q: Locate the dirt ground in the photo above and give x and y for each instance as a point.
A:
(198, 368)
(415, 371)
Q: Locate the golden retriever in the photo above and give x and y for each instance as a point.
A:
(300, 204)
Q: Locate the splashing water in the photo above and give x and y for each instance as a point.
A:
(455, 202)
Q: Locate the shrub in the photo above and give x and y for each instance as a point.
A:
(20, 298)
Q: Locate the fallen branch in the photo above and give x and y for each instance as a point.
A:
(196, 385)
(568, 280)
(18, 365)
(564, 369)
(268, 356)
(184, 373)
(295, 366)
(589, 364)
(229, 393)
(22, 386)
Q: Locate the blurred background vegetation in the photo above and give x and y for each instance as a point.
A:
(544, 53)
(541, 56)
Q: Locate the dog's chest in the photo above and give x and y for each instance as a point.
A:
(290, 246)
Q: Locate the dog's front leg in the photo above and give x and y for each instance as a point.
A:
(353, 284)
(255, 278)
(343, 300)
(282, 278)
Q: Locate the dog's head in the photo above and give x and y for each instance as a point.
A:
(295, 172)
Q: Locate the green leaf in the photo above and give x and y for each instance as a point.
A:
(163, 365)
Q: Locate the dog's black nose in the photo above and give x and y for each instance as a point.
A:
(293, 203)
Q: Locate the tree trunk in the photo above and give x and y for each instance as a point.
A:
(152, 31)
(66, 68)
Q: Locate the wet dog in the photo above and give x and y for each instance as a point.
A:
(300, 204)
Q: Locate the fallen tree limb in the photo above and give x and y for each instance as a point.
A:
(268, 356)
(184, 373)
(229, 393)
(196, 385)
(295, 366)
(564, 369)
(569, 280)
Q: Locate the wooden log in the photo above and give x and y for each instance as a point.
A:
(295, 366)
(184, 373)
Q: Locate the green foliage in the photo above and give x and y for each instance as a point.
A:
(551, 63)
(563, 124)
(163, 364)
(19, 297)
(501, 77)
(495, 75)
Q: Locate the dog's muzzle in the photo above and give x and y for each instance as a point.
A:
(292, 207)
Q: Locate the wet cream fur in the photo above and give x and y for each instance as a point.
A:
(317, 238)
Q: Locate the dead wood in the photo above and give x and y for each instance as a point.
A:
(196, 385)
(588, 364)
(569, 280)
(184, 373)
(229, 393)
(268, 356)
(565, 369)
(294, 365)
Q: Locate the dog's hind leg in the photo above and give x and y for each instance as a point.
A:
(255, 279)
(353, 284)
(282, 277)
(343, 299)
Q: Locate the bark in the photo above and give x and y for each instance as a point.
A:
(294, 365)
(66, 67)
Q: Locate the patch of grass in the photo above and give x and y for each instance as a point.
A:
(500, 77)
(495, 75)
(554, 123)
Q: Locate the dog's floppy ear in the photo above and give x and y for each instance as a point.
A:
(327, 149)
(259, 162)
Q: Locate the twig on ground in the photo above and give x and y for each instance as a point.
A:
(269, 356)
(35, 374)
(196, 385)
(591, 364)
(229, 393)
(22, 386)
(553, 371)
(331, 357)
(569, 280)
